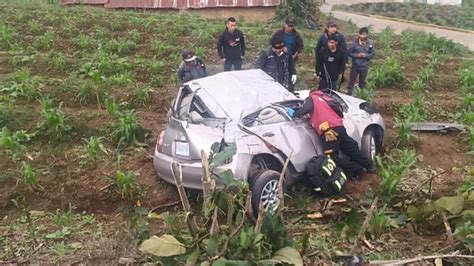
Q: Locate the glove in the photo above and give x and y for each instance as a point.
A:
(290, 111)
(293, 79)
(330, 135)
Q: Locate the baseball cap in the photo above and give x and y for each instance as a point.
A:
(290, 21)
(188, 56)
(278, 42)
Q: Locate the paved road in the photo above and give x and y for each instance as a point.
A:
(379, 24)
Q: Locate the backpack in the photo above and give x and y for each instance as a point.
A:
(325, 176)
(335, 105)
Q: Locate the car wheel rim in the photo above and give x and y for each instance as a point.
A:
(269, 196)
(373, 148)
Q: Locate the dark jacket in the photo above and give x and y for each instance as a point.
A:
(299, 44)
(323, 42)
(281, 68)
(231, 46)
(195, 71)
(367, 49)
(333, 61)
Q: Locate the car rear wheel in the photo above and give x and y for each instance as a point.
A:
(369, 145)
(265, 190)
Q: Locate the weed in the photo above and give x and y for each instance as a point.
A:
(366, 94)
(393, 167)
(126, 185)
(134, 35)
(417, 86)
(120, 47)
(61, 218)
(157, 81)
(62, 233)
(155, 66)
(21, 59)
(30, 178)
(84, 42)
(111, 106)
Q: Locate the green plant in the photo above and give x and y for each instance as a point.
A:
(405, 134)
(415, 111)
(58, 60)
(144, 94)
(46, 41)
(393, 167)
(23, 85)
(366, 94)
(385, 39)
(62, 218)
(134, 36)
(304, 11)
(13, 142)
(127, 130)
(53, 119)
(8, 36)
(388, 73)
(35, 27)
(84, 42)
(93, 148)
(126, 185)
(30, 178)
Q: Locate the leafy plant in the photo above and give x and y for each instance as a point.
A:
(393, 167)
(30, 178)
(388, 73)
(13, 142)
(23, 85)
(92, 150)
(58, 60)
(415, 111)
(62, 218)
(405, 134)
(365, 94)
(127, 130)
(304, 11)
(8, 36)
(385, 39)
(53, 119)
(126, 185)
(144, 94)
(46, 41)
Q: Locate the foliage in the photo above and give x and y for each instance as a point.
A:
(8, 36)
(127, 130)
(30, 178)
(393, 167)
(53, 119)
(93, 149)
(413, 112)
(443, 15)
(385, 39)
(23, 85)
(303, 11)
(126, 185)
(390, 72)
(12, 143)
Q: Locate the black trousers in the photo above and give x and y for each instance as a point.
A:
(237, 63)
(356, 72)
(356, 162)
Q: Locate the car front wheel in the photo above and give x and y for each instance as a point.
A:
(369, 145)
(265, 191)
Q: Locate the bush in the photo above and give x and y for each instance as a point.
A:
(305, 12)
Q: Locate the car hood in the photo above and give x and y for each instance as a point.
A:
(233, 94)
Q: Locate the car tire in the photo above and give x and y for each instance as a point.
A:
(265, 188)
(369, 144)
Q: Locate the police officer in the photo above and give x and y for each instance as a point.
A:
(278, 64)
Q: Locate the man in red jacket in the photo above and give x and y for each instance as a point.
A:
(327, 122)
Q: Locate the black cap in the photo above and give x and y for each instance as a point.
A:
(278, 42)
(363, 29)
(332, 37)
(290, 21)
(332, 22)
(188, 55)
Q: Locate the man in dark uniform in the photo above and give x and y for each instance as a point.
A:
(278, 64)
(231, 46)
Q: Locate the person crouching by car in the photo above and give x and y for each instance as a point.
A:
(278, 64)
(326, 118)
(192, 67)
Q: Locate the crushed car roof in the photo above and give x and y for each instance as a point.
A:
(236, 93)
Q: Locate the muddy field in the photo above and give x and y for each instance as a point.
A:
(88, 59)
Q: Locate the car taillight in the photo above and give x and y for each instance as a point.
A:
(159, 142)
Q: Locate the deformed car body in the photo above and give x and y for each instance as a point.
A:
(248, 109)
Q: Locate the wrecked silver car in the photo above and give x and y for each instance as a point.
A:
(248, 109)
